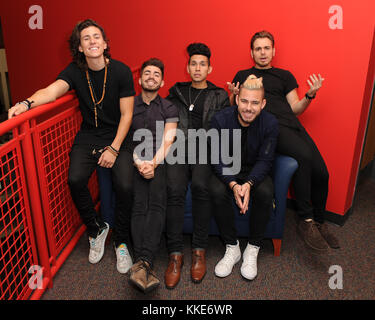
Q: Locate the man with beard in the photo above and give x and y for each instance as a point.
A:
(259, 131)
(310, 181)
(148, 214)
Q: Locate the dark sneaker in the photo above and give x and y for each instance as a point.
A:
(310, 234)
(328, 236)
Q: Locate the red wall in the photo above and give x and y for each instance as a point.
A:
(305, 44)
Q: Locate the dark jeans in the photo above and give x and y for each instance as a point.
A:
(178, 176)
(310, 181)
(148, 214)
(261, 197)
(82, 165)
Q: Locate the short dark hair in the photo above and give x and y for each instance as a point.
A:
(198, 48)
(261, 34)
(153, 62)
(75, 41)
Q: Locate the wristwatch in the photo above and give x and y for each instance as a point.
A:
(308, 97)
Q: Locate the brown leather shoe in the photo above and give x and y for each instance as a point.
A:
(332, 241)
(152, 279)
(198, 265)
(173, 272)
(138, 275)
(309, 233)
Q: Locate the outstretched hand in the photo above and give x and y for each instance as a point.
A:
(315, 84)
(234, 89)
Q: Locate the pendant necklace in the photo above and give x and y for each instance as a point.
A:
(92, 92)
(191, 107)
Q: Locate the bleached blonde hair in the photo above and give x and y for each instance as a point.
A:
(253, 83)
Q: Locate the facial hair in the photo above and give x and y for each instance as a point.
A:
(150, 90)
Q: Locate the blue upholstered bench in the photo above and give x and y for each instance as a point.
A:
(283, 170)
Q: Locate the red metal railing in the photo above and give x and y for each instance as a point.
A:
(39, 224)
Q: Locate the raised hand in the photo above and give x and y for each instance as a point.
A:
(315, 83)
(234, 89)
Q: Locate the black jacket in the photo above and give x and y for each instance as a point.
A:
(261, 143)
(216, 99)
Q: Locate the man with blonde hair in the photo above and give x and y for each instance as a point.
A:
(259, 131)
(311, 179)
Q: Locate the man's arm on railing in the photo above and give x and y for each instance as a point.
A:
(42, 96)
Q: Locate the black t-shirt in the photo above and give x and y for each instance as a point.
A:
(277, 84)
(119, 85)
(196, 97)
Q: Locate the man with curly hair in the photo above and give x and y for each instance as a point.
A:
(105, 92)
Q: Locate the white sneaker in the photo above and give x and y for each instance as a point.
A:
(97, 245)
(249, 263)
(124, 260)
(231, 257)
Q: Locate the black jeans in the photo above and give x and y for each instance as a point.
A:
(310, 181)
(178, 176)
(148, 214)
(261, 199)
(82, 165)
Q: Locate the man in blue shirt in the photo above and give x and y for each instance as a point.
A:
(259, 131)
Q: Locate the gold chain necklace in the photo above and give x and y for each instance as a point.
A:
(92, 92)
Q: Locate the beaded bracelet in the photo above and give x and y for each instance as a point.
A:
(27, 103)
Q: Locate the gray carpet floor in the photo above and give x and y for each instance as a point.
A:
(297, 274)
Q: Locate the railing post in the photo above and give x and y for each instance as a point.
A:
(35, 203)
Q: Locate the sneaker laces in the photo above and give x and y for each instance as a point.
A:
(122, 253)
(250, 256)
(93, 243)
(229, 255)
